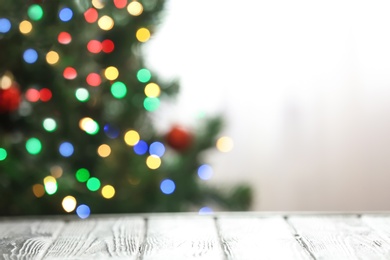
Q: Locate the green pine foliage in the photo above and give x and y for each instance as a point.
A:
(137, 186)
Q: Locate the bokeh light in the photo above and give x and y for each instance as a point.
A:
(131, 137)
(25, 27)
(49, 124)
(32, 95)
(98, 4)
(157, 148)
(120, 4)
(83, 211)
(30, 56)
(118, 90)
(153, 162)
(142, 34)
(141, 147)
(108, 191)
(152, 90)
(35, 12)
(94, 46)
(82, 175)
(91, 15)
(106, 23)
(89, 125)
(69, 73)
(66, 149)
(6, 80)
(224, 144)
(3, 154)
(205, 211)
(104, 150)
(151, 104)
(82, 94)
(93, 184)
(50, 184)
(111, 131)
(167, 186)
(108, 46)
(69, 203)
(205, 172)
(5, 25)
(56, 171)
(144, 75)
(135, 8)
(93, 79)
(52, 57)
(111, 73)
(38, 190)
(64, 38)
(45, 94)
(33, 146)
(65, 14)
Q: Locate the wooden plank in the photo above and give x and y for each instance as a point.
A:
(339, 237)
(246, 237)
(182, 237)
(381, 224)
(101, 238)
(27, 239)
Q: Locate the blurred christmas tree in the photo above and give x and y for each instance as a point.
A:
(76, 132)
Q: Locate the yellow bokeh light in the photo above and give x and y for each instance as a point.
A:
(56, 171)
(108, 192)
(49, 179)
(85, 123)
(104, 150)
(111, 73)
(152, 90)
(69, 203)
(135, 8)
(25, 27)
(38, 190)
(98, 4)
(143, 35)
(153, 162)
(224, 144)
(106, 23)
(6, 81)
(52, 57)
(132, 137)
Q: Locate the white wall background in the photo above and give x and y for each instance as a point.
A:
(304, 86)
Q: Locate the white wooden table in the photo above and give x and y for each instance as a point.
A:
(240, 235)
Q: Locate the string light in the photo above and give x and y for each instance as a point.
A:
(205, 211)
(106, 23)
(45, 94)
(111, 73)
(25, 27)
(6, 80)
(142, 35)
(205, 172)
(153, 162)
(91, 15)
(108, 191)
(5, 25)
(167, 186)
(152, 90)
(64, 38)
(157, 148)
(66, 149)
(98, 4)
(83, 211)
(49, 124)
(108, 46)
(120, 4)
(56, 171)
(69, 203)
(70, 73)
(82, 94)
(135, 8)
(224, 144)
(82, 175)
(50, 184)
(141, 147)
(38, 190)
(52, 57)
(104, 150)
(131, 137)
(111, 131)
(32, 95)
(151, 104)
(35, 12)
(93, 79)
(118, 90)
(3, 154)
(93, 184)
(144, 75)
(30, 56)
(33, 146)
(94, 46)
(65, 14)
(89, 125)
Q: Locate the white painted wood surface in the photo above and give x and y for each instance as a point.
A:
(189, 236)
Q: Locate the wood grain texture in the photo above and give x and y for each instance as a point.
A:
(27, 239)
(106, 238)
(339, 237)
(259, 238)
(182, 237)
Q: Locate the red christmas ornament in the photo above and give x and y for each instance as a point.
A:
(179, 138)
(10, 99)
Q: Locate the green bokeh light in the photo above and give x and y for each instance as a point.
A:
(92, 127)
(3, 154)
(118, 90)
(151, 104)
(33, 146)
(35, 12)
(82, 94)
(49, 124)
(93, 184)
(82, 175)
(144, 75)
(51, 187)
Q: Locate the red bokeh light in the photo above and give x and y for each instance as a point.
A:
(45, 94)
(32, 95)
(108, 46)
(64, 38)
(120, 3)
(93, 79)
(70, 73)
(91, 15)
(94, 46)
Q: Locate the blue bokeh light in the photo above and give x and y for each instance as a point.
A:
(65, 14)
(167, 186)
(66, 149)
(111, 131)
(30, 56)
(83, 211)
(5, 25)
(157, 148)
(205, 172)
(141, 147)
(205, 211)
